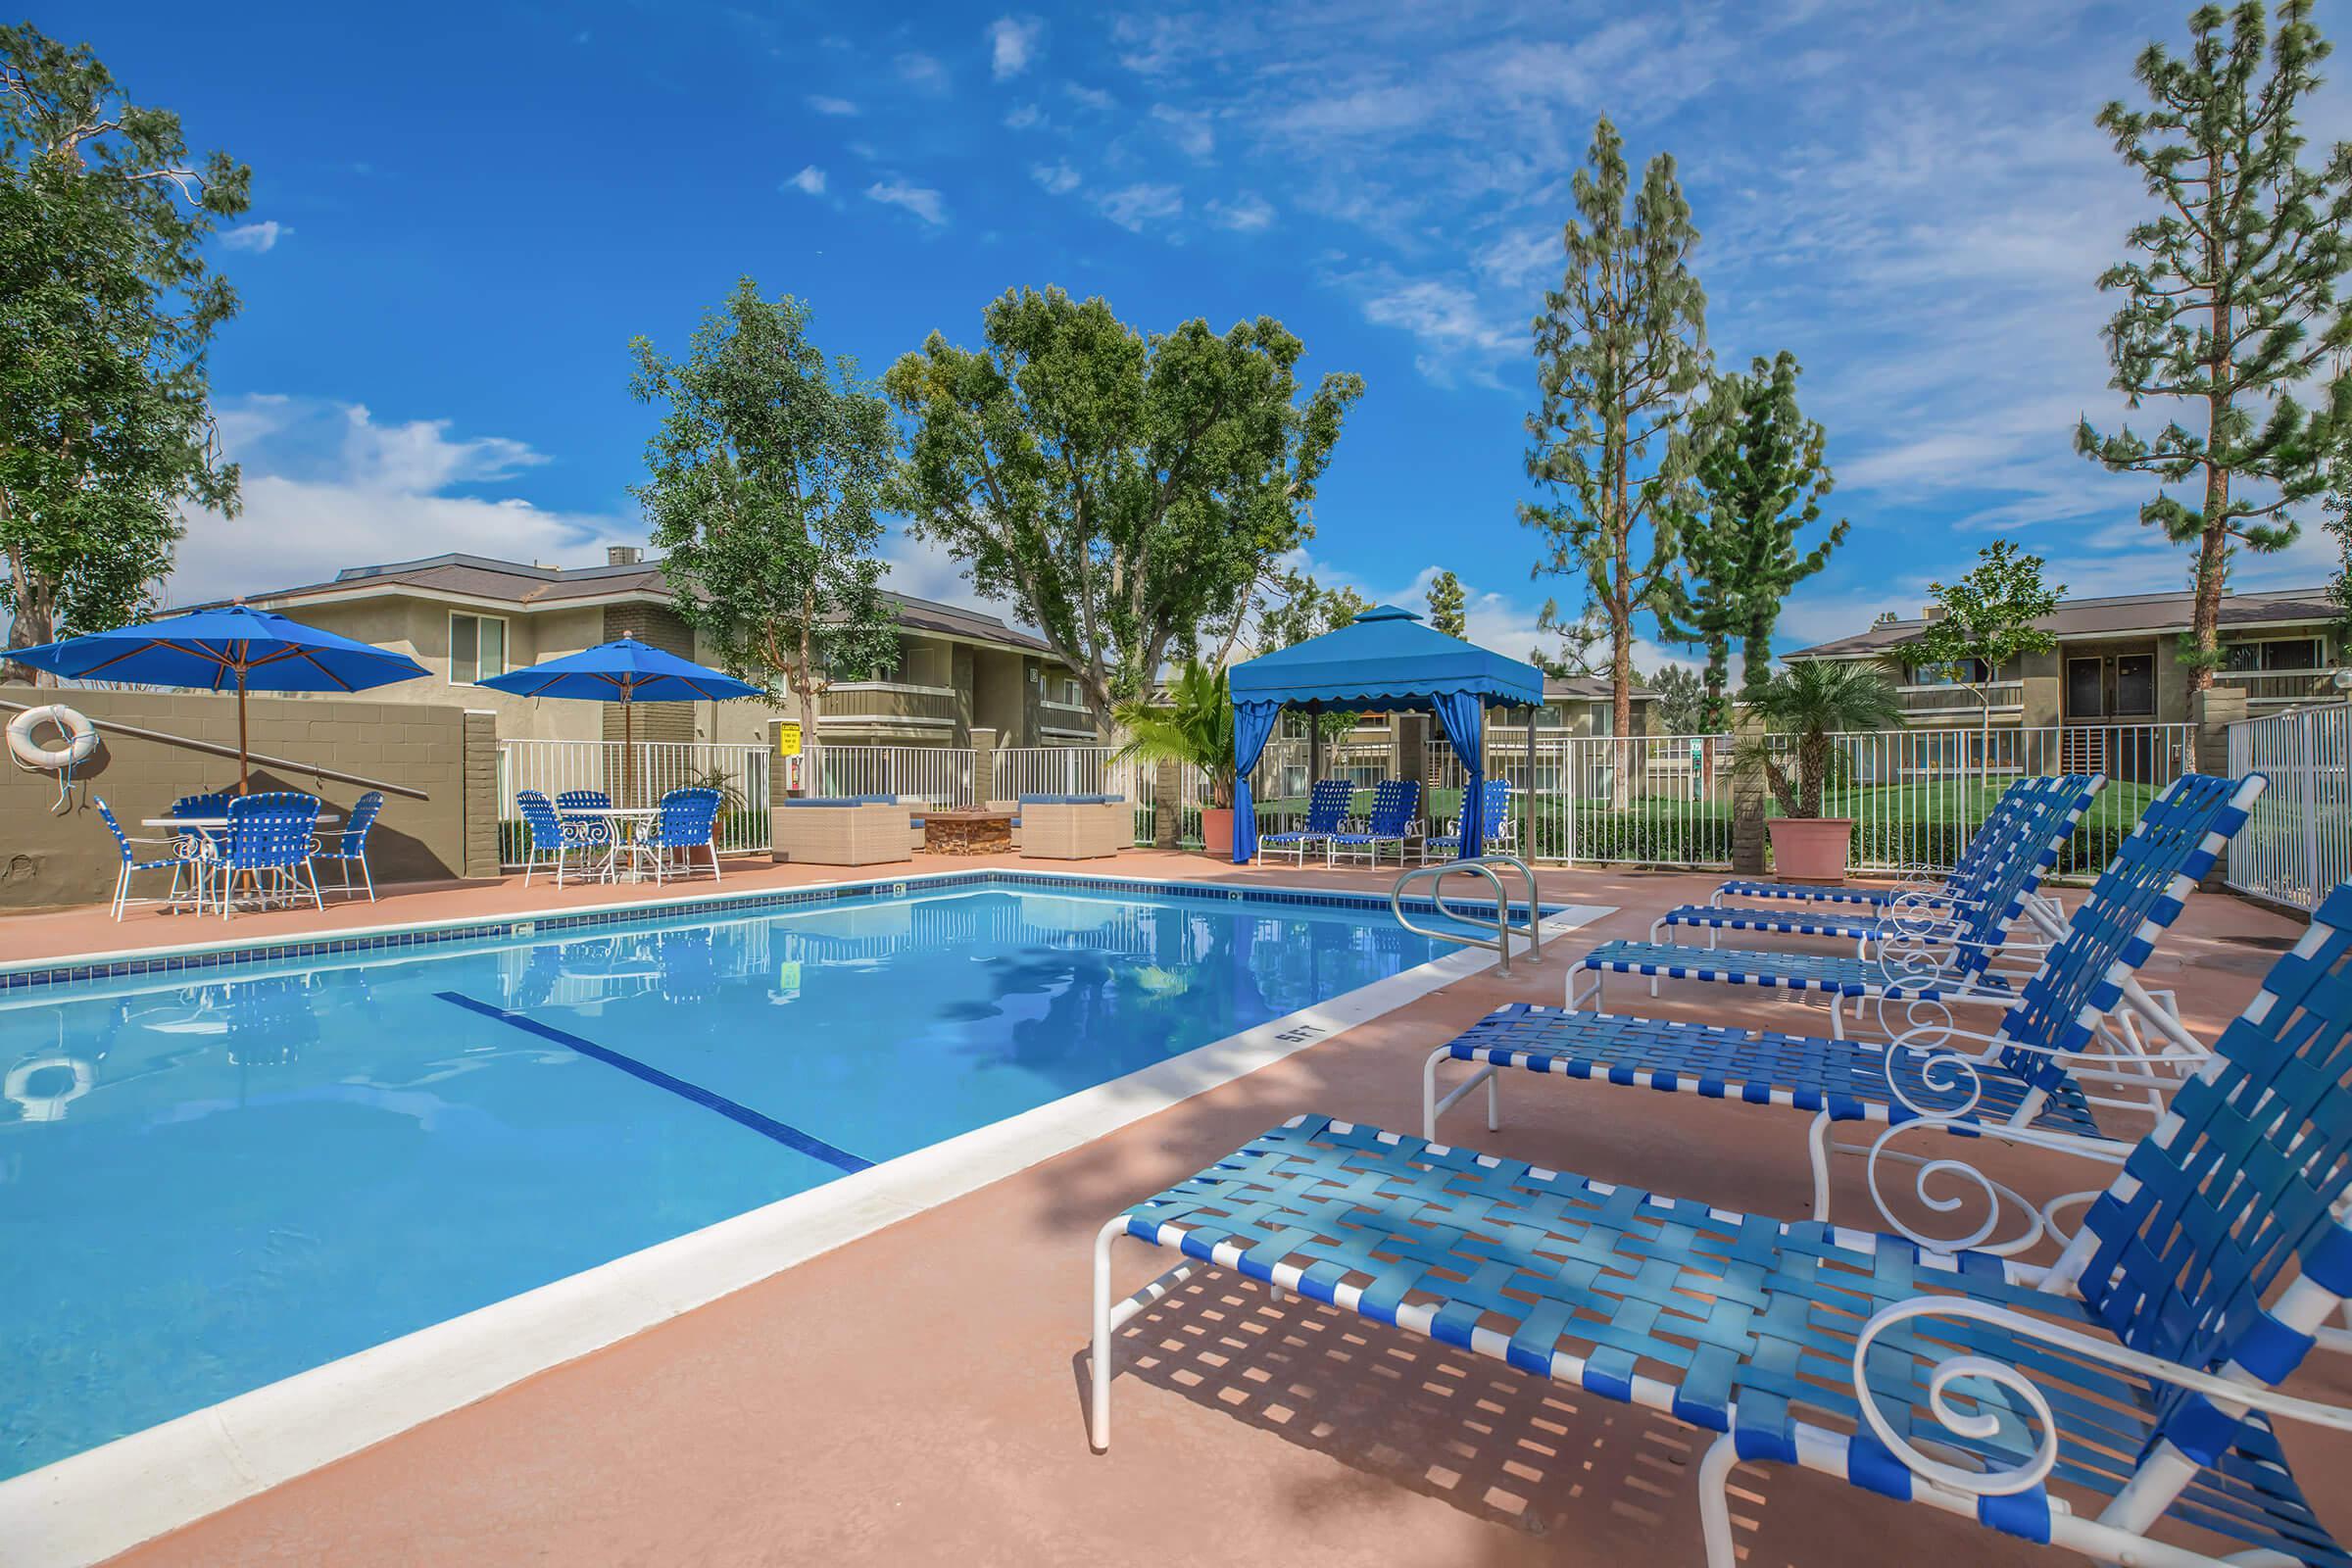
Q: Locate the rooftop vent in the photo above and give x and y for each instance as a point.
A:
(623, 555)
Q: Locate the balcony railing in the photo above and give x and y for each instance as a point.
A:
(889, 702)
(2281, 688)
(2006, 698)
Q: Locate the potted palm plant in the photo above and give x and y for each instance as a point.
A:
(1807, 703)
(1193, 728)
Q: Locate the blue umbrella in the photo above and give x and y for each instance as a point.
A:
(624, 671)
(231, 647)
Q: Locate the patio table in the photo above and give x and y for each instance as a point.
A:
(629, 820)
(197, 833)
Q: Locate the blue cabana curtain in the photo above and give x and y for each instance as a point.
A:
(1463, 713)
(1252, 726)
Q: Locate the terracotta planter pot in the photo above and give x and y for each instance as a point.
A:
(1216, 831)
(1810, 848)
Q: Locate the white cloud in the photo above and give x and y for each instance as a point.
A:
(328, 486)
(1130, 207)
(1091, 97)
(1012, 45)
(923, 203)
(1058, 178)
(921, 72)
(810, 181)
(839, 107)
(1024, 116)
(1446, 317)
(1188, 128)
(255, 237)
(1247, 212)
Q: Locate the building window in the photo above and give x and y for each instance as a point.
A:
(477, 648)
(2286, 654)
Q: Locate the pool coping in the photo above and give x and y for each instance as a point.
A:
(103, 1500)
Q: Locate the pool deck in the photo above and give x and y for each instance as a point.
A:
(916, 1395)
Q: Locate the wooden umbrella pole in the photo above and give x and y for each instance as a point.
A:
(244, 758)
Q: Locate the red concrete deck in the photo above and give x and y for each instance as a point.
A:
(916, 1397)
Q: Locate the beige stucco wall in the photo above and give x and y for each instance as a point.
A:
(48, 859)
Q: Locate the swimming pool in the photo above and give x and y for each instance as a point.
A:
(214, 1177)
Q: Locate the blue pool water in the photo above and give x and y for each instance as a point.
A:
(208, 1186)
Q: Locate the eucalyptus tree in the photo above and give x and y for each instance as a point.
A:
(768, 474)
(1127, 495)
(108, 309)
(1620, 351)
(2231, 304)
(1758, 487)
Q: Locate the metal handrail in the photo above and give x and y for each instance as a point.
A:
(216, 749)
(1501, 943)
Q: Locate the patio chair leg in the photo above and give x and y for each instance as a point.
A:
(1715, 1501)
(122, 892)
(1098, 1412)
(1495, 1103)
(716, 879)
(367, 877)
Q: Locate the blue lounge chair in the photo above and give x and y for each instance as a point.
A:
(268, 849)
(1990, 893)
(178, 862)
(1501, 833)
(1993, 839)
(2140, 1371)
(351, 845)
(1325, 809)
(551, 837)
(2176, 842)
(687, 822)
(1394, 804)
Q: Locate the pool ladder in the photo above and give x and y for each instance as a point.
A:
(1483, 866)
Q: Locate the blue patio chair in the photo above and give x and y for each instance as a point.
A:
(1325, 809)
(1917, 884)
(206, 805)
(1501, 833)
(178, 862)
(1989, 893)
(573, 805)
(267, 848)
(1396, 803)
(351, 845)
(2140, 1371)
(2176, 842)
(686, 824)
(551, 837)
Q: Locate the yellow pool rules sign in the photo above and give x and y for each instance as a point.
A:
(788, 740)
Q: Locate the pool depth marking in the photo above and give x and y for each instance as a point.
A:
(766, 1126)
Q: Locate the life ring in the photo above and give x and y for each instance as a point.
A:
(82, 739)
(47, 1107)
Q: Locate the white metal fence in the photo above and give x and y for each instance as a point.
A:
(1019, 770)
(2299, 843)
(936, 775)
(650, 770)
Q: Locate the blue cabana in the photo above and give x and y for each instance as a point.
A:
(1384, 661)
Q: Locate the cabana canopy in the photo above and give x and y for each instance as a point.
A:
(1384, 660)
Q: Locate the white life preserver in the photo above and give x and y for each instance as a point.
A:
(82, 738)
(47, 1107)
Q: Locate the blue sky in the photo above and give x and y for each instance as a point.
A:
(462, 213)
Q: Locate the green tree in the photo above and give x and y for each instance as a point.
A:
(1987, 621)
(1125, 494)
(1684, 706)
(1305, 608)
(2338, 507)
(1193, 728)
(1757, 486)
(1620, 348)
(107, 312)
(1449, 609)
(768, 470)
(2233, 301)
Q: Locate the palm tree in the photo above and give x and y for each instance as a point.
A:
(1812, 699)
(1193, 728)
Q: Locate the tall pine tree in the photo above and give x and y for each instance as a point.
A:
(2233, 302)
(1759, 484)
(1620, 349)
(1448, 610)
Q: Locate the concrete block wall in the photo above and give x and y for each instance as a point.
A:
(50, 858)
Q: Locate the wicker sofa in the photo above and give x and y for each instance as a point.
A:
(842, 830)
(1072, 827)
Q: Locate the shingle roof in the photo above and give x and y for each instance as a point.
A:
(2105, 617)
(516, 583)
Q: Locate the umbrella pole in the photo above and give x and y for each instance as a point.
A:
(629, 744)
(244, 761)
